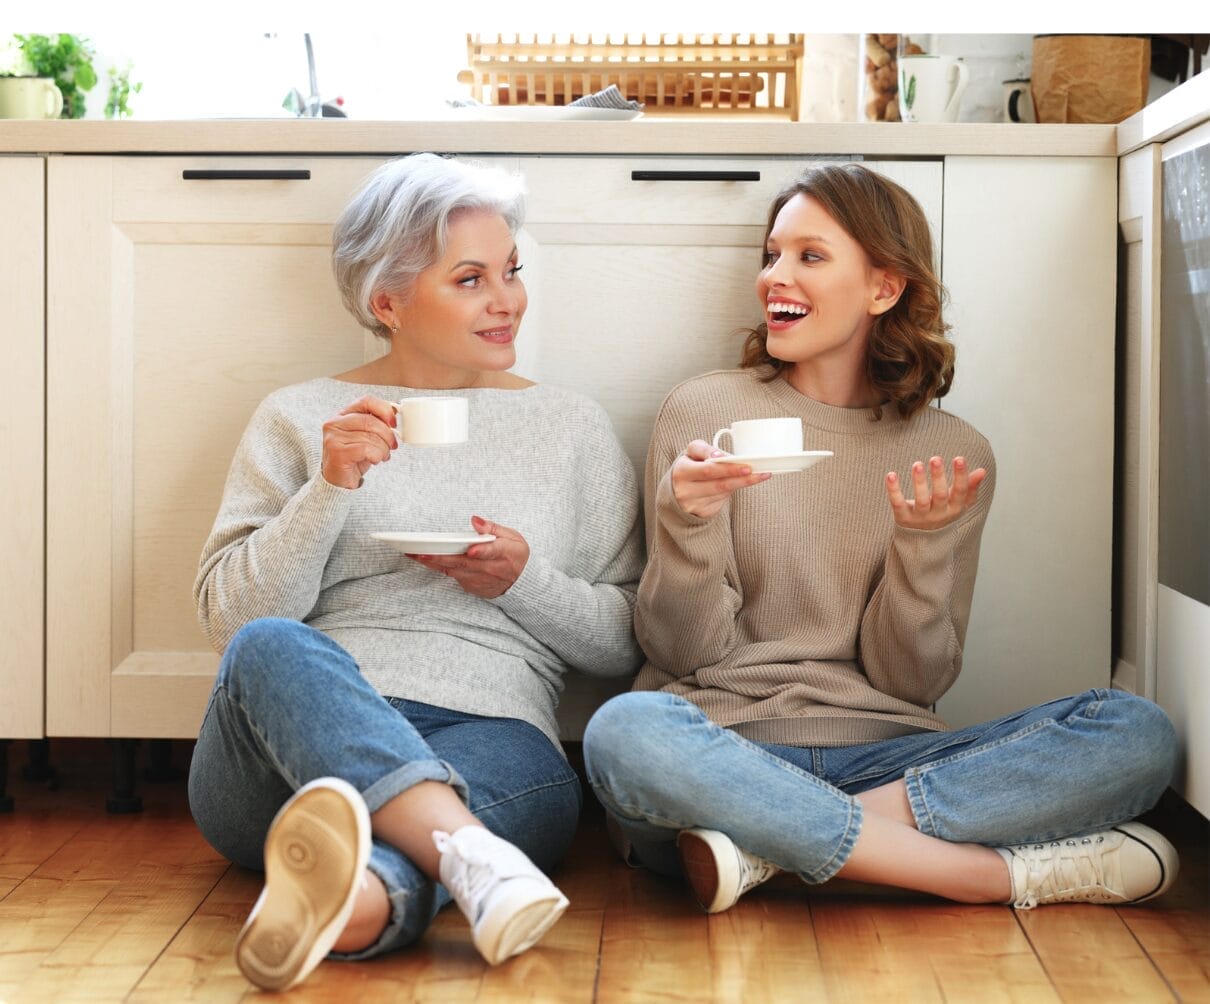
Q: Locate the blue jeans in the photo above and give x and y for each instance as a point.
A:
(290, 705)
(1070, 767)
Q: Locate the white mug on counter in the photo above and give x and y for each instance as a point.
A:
(930, 88)
(1018, 102)
(432, 421)
(763, 437)
(29, 98)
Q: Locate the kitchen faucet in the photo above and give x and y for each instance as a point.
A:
(311, 107)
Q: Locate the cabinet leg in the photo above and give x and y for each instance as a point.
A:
(161, 769)
(39, 768)
(6, 800)
(123, 798)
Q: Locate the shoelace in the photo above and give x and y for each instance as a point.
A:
(755, 869)
(469, 881)
(1057, 876)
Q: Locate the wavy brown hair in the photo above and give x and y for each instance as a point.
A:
(909, 361)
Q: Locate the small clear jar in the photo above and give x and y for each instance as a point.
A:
(878, 88)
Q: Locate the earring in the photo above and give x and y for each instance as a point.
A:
(394, 329)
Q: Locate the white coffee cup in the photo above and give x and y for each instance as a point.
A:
(432, 421)
(1018, 102)
(930, 88)
(763, 437)
(29, 98)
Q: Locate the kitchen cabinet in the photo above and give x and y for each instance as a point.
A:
(21, 447)
(1029, 260)
(174, 306)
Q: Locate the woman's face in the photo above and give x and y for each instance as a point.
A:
(819, 289)
(464, 311)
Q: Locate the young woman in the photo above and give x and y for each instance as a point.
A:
(381, 735)
(799, 628)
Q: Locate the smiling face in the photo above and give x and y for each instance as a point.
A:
(821, 295)
(462, 315)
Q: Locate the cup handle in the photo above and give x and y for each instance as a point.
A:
(719, 435)
(951, 109)
(54, 107)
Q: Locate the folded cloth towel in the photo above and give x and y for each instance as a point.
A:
(611, 97)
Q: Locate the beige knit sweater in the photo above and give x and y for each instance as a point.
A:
(801, 614)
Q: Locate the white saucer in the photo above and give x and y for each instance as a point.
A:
(433, 543)
(777, 463)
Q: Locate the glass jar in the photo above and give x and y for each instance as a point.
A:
(879, 80)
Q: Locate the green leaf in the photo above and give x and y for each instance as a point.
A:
(86, 77)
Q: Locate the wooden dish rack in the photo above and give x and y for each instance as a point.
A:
(750, 75)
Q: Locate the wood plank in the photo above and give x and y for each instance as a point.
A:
(36, 918)
(199, 963)
(113, 946)
(657, 944)
(905, 948)
(60, 923)
(29, 838)
(1090, 954)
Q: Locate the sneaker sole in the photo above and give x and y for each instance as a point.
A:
(704, 869)
(317, 848)
(1165, 855)
(525, 921)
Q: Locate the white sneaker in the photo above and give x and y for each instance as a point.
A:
(1126, 864)
(717, 870)
(506, 897)
(315, 856)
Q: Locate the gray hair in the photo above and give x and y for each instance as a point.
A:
(395, 226)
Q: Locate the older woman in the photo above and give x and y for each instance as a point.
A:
(381, 734)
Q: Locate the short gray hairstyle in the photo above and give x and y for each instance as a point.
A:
(395, 227)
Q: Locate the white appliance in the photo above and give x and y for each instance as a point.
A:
(1183, 633)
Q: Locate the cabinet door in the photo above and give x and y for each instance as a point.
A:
(1030, 263)
(174, 306)
(21, 437)
(636, 285)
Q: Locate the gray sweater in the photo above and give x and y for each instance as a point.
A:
(543, 461)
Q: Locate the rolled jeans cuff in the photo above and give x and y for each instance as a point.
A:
(408, 776)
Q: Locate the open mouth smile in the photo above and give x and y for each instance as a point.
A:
(784, 313)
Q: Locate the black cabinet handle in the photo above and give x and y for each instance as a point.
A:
(249, 175)
(695, 175)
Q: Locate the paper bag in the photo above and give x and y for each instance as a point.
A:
(1090, 78)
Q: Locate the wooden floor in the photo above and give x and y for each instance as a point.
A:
(138, 908)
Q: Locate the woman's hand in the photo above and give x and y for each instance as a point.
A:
(944, 504)
(703, 480)
(355, 440)
(486, 570)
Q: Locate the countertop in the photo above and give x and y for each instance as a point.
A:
(638, 137)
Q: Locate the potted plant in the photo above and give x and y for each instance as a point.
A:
(66, 59)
